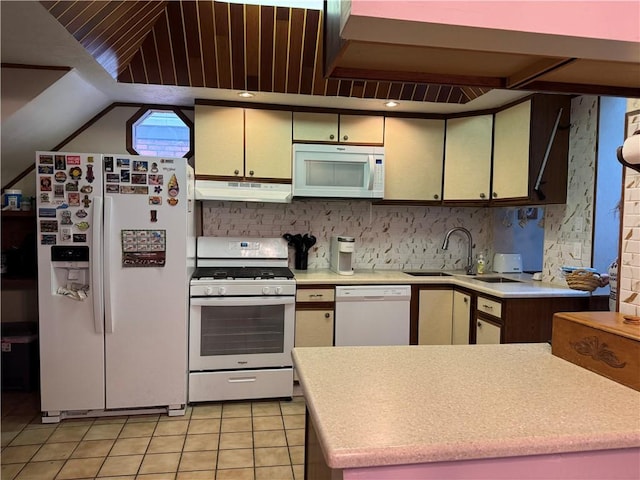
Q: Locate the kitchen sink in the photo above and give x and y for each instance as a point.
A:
(425, 273)
(496, 280)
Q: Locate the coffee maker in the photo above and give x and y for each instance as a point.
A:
(342, 249)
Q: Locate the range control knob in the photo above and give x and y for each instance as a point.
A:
(222, 290)
(265, 290)
(208, 290)
(278, 290)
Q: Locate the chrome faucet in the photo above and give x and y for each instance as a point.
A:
(469, 268)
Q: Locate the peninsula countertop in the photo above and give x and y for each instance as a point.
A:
(525, 287)
(380, 406)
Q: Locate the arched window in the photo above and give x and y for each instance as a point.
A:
(160, 132)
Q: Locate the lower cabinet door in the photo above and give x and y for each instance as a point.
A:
(314, 328)
(435, 317)
(461, 318)
(487, 332)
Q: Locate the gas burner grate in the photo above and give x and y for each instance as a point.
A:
(231, 273)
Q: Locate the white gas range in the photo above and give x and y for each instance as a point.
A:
(242, 315)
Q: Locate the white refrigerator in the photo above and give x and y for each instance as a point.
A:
(116, 248)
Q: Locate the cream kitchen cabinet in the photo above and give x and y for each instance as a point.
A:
(435, 312)
(461, 318)
(331, 127)
(414, 150)
(525, 135)
(314, 317)
(240, 142)
(511, 152)
(467, 158)
(487, 332)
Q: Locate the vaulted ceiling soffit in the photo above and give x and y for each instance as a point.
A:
(224, 45)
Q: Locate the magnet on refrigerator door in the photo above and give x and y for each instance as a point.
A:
(48, 239)
(75, 159)
(108, 164)
(79, 237)
(65, 234)
(45, 169)
(154, 216)
(90, 177)
(65, 218)
(58, 191)
(122, 162)
(60, 177)
(81, 213)
(155, 200)
(45, 184)
(74, 199)
(75, 173)
(86, 201)
(46, 159)
(48, 225)
(70, 186)
(60, 162)
(110, 188)
(172, 201)
(86, 189)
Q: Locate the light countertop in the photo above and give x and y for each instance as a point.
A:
(375, 406)
(525, 288)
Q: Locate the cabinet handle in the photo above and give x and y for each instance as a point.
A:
(436, 196)
(479, 325)
(488, 307)
(495, 195)
(465, 300)
(327, 315)
(482, 195)
(251, 172)
(313, 295)
(332, 136)
(236, 172)
(345, 138)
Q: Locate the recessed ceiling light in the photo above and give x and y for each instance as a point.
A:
(391, 104)
(246, 94)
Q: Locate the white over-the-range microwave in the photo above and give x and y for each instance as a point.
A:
(348, 171)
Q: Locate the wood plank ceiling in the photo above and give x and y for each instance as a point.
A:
(224, 45)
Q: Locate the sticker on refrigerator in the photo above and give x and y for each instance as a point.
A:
(143, 248)
(156, 180)
(48, 239)
(112, 188)
(71, 186)
(139, 179)
(75, 159)
(45, 197)
(65, 218)
(65, 234)
(79, 237)
(75, 173)
(173, 187)
(108, 164)
(47, 212)
(113, 178)
(60, 177)
(125, 176)
(46, 159)
(48, 225)
(45, 184)
(58, 191)
(60, 162)
(140, 166)
(90, 177)
(122, 162)
(154, 167)
(45, 169)
(74, 199)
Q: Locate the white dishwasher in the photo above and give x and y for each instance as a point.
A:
(372, 315)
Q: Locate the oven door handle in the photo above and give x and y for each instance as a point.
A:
(241, 301)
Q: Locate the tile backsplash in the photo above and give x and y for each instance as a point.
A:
(629, 275)
(387, 236)
(570, 224)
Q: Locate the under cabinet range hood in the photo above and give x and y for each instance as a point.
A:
(236, 191)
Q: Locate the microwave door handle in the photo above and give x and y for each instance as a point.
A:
(371, 171)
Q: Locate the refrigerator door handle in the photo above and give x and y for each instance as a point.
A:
(108, 320)
(96, 267)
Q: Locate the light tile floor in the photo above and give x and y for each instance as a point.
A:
(261, 440)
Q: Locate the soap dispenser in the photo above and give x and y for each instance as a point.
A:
(480, 264)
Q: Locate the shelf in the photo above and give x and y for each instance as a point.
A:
(19, 283)
(18, 214)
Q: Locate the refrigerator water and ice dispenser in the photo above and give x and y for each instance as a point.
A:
(70, 267)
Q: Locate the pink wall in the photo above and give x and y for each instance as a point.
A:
(610, 20)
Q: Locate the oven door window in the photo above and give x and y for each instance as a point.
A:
(238, 330)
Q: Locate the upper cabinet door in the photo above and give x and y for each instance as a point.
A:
(467, 158)
(219, 140)
(268, 144)
(511, 152)
(414, 149)
(361, 129)
(315, 127)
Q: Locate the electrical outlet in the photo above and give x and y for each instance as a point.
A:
(577, 251)
(579, 224)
